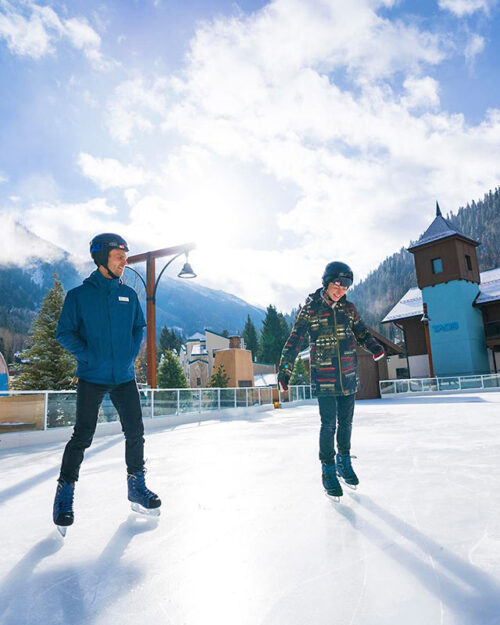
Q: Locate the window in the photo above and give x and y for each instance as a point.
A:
(468, 262)
(437, 265)
(198, 381)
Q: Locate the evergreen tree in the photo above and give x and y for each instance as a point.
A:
(219, 378)
(299, 374)
(170, 373)
(48, 365)
(169, 340)
(250, 337)
(273, 336)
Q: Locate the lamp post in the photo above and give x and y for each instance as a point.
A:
(151, 285)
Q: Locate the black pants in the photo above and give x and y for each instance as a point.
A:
(335, 410)
(125, 398)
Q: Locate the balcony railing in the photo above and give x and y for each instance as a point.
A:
(440, 384)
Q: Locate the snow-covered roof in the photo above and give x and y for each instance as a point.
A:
(197, 336)
(199, 350)
(265, 379)
(410, 305)
(489, 287)
(439, 229)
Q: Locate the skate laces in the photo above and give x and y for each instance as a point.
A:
(66, 495)
(139, 480)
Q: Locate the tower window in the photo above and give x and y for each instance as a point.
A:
(468, 262)
(437, 265)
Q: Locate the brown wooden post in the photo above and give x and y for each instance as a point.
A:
(150, 258)
(428, 341)
(151, 321)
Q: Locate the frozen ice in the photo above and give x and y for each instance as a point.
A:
(246, 535)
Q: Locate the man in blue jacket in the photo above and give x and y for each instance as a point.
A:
(102, 325)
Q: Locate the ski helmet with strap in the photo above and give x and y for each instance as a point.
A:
(102, 244)
(337, 272)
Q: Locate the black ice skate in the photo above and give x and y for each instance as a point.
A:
(346, 472)
(63, 506)
(331, 483)
(142, 499)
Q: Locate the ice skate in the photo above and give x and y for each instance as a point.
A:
(346, 472)
(63, 506)
(331, 484)
(142, 499)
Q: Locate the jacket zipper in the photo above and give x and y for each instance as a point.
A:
(338, 350)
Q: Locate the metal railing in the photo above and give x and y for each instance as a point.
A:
(42, 410)
(440, 384)
(299, 392)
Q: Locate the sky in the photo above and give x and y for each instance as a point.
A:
(278, 136)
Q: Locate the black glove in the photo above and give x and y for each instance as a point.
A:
(283, 377)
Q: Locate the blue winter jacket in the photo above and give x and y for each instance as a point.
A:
(102, 325)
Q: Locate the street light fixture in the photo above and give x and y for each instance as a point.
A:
(151, 286)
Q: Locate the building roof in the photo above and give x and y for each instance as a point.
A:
(439, 229)
(197, 336)
(411, 305)
(199, 350)
(217, 334)
(265, 379)
(489, 287)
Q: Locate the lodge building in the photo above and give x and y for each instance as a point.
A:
(451, 321)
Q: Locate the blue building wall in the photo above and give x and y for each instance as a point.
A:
(456, 329)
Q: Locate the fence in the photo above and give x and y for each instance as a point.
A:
(439, 385)
(42, 410)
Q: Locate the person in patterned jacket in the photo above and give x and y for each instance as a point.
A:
(334, 326)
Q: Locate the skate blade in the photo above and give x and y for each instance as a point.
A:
(62, 529)
(351, 486)
(136, 507)
(334, 498)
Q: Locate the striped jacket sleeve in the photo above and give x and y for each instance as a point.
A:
(295, 340)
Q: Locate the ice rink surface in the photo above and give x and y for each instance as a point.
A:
(247, 536)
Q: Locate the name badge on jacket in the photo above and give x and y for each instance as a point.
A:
(123, 299)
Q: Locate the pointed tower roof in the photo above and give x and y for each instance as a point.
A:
(439, 229)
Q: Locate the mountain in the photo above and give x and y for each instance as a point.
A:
(27, 265)
(382, 288)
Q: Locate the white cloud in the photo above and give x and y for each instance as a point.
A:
(465, 7)
(475, 45)
(421, 92)
(18, 246)
(303, 96)
(107, 173)
(3, 178)
(32, 30)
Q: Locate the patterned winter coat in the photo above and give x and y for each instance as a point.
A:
(333, 329)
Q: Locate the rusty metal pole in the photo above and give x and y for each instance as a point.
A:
(151, 284)
(428, 341)
(151, 321)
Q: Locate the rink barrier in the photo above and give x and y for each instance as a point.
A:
(43, 410)
(449, 384)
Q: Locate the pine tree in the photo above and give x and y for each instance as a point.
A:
(299, 374)
(48, 365)
(141, 365)
(250, 337)
(274, 334)
(170, 373)
(169, 340)
(219, 378)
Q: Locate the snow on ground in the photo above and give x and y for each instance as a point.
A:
(247, 536)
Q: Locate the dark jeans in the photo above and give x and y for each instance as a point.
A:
(335, 409)
(125, 398)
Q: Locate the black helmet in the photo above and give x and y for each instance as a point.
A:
(337, 272)
(102, 244)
